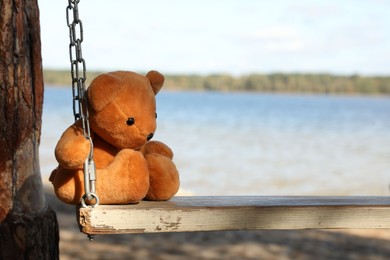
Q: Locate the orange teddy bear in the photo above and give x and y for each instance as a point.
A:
(129, 167)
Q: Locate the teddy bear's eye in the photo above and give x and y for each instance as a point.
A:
(130, 121)
(155, 115)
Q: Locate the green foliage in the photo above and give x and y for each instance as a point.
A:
(63, 77)
(276, 82)
(282, 83)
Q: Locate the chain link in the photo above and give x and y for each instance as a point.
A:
(80, 103)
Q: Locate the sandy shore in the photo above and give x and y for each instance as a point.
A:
(305, 244)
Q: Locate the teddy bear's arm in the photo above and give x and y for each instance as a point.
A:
(157, 147)
(73, 148)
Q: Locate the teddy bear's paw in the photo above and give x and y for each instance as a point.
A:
(72, 152)
(157, 147)
(164, 177)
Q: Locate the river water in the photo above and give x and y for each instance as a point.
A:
(260, 144)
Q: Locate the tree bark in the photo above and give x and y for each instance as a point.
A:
(28, 228)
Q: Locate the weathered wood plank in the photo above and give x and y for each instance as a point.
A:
(183, 214)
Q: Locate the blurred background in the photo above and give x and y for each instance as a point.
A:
(235, 37)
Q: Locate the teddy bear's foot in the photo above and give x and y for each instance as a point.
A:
(164, 177)
(125, 180)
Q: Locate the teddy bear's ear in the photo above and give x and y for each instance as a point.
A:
(156, 80)
(103, 89)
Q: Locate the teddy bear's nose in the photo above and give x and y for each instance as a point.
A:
(150, 136)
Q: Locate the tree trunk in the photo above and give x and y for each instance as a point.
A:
(28, 228)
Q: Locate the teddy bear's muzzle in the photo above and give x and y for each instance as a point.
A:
(150, 136)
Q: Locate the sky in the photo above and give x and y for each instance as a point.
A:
(238, 37)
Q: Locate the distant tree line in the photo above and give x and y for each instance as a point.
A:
(275, 82)
(308, 83)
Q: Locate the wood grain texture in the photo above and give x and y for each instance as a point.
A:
(186, 214)
(28, 228)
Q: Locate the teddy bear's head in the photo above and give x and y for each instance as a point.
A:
(122, 107)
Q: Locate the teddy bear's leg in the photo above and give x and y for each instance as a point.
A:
(68, 185)
(125, 180)
(164, 177)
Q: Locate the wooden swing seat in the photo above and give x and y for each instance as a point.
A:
(188, 214)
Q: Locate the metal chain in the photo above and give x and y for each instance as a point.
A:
(80, 103)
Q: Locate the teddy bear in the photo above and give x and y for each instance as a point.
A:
(129, 166)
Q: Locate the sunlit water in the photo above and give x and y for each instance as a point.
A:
(260, 144)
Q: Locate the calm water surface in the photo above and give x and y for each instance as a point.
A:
(260, 144)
